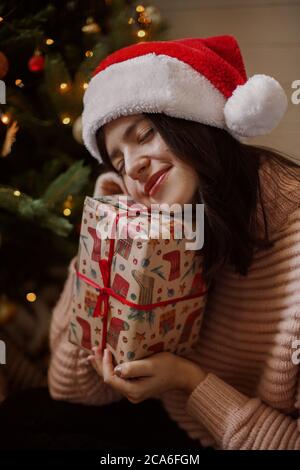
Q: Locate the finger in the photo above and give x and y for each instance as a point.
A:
(133, 369)
(98, 357)
(97, 352)
(108, 183)
(91, 360)
(120, 384)
(107, 362)
(95, 360)
(123, 186)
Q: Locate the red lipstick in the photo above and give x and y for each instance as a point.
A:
(155, 180)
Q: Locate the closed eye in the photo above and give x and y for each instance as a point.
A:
(146, 135)
(122, 166)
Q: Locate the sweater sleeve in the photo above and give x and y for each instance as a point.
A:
(70, 377)
(238, 422)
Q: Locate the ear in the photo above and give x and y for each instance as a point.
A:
(109, 183)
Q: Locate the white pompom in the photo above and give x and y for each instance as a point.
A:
(256, 107)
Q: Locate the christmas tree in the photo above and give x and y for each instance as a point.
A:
(47, 55)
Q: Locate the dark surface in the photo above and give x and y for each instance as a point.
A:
(31, 419)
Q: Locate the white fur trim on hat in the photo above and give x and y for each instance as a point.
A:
(256, 107)
(149, 83)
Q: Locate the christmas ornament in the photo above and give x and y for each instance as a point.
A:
(37, 62)
(4, 66)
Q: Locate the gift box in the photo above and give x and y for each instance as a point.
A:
(137, 289)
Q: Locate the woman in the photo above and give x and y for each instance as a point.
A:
(192, 104)
(185, 106)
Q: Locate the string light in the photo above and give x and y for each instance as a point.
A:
(31, 297)
(17, 193)
(5, 118)
(49, 41)
(140, 8)
(141, 33)
(89, 53)
(85, 85)
(131, 21)
(64, 87)
(66, 119)
(68, 205)
(1, 19)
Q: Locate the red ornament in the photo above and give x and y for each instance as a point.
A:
(36, 63)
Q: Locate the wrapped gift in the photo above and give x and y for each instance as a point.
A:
(135, 293)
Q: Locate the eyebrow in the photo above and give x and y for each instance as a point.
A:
(126, 134)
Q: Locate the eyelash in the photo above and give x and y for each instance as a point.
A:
(121, 169)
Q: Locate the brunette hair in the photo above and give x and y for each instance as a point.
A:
(229, 187)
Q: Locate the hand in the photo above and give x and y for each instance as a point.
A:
(149, 377)
(109, 183)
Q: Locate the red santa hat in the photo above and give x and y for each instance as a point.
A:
(199, 79)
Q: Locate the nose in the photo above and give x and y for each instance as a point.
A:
(137, 167)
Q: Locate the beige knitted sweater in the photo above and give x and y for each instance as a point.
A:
(250, 398)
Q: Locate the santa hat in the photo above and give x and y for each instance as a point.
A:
(199, 79)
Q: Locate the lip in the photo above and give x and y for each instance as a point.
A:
(155, 180)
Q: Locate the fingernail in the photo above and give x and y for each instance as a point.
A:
(118, 370)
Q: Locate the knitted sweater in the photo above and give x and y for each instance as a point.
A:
(250, 398)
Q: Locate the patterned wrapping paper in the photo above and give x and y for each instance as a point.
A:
(129, 293)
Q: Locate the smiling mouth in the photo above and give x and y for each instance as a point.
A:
(158, 182)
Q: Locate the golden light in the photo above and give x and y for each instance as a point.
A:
(140, 8)
(131, 21)
(85, 85)
(19, 83)
(66, 120)
(17, 193)
(1, 19)
(31, 297)
(89, 53)
(5, 118)
(49, 41)
(141, 33)
(67, 212)
(64, 87)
